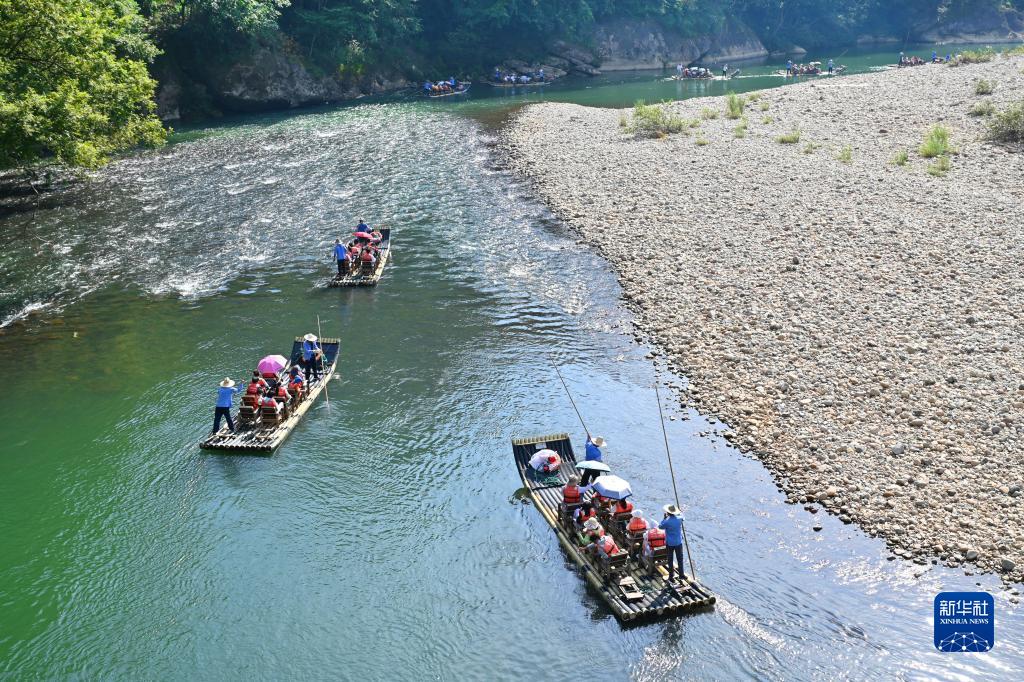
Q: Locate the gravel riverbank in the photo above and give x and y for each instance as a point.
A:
(857, 323)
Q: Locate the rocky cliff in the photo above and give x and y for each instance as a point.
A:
(982, 25)
(627, 45)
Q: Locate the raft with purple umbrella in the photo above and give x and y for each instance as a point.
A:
(260, 429)
(365, 273)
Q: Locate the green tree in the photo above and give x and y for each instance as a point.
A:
(74, 84)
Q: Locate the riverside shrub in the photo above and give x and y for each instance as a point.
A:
(734, 105)
(936, 143)
(653, 120)
(1007, 126)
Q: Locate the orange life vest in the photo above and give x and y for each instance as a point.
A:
(586, 515)
(656, 538)
(571, 494)
(253, 389)
(623, 507)
(282, 392)
(608, 546)
(636, 525)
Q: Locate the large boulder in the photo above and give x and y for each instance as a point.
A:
(986, 24)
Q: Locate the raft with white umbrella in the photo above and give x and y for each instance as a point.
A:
(632, 594)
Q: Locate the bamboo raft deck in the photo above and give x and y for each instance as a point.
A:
(257, 439)
(659, 599)
(360, 277)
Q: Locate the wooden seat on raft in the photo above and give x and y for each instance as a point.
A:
(658, 557)
(614, 564)
(565, 512)
(248, 413)
(270, 414)
(366, 268)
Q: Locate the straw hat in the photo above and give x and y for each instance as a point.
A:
(227, 383)
(672, 510)
(592, 524)
(310, 337)
(598, 441)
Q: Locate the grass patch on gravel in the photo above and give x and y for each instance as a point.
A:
(1007, 126)
(983, 108)
(901, 158)
(701, 141)
(693, 123)
(653, 120)
(767, 120)
(754, 96)
(740, 131)
(940, 167)
(791, 137)
(936, 143)
(764, 106)
(984, 87)
(811, 147)
(708, 114)
(845, 154)
(1015, 52)
(974, 57)
(734, 106)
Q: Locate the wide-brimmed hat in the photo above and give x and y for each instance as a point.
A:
(592, 524)
(637, 514)
(598, 441)
(309, 337)
(227, 383)
(672, 510)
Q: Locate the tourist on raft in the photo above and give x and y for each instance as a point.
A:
(593, 454)
(592, 531)
(583, 514)
(295, 382)
(672, 524)
(312, 356)
(571, 492)
(367, 255)
(637, 524)
(653, 539)
(341, 254)
(225, 397)
(622, 507)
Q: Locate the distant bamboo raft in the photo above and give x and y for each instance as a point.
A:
(366, 275)
(655, 598)
(256, 438)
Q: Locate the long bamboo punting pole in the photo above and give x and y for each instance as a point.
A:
(569, 395)
(327, 396)
(675, 490)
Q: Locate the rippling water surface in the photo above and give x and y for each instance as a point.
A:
(385, 539)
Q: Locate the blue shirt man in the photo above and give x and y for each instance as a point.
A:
(593, 452)
(362, 227)
(340, 252)
(225, 395)
(673, 527)
(309, 348)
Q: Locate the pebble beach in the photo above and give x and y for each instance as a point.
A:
(856, 323)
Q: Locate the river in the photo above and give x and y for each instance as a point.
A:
(387, 538)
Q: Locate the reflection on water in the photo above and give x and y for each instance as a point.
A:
(385, 539)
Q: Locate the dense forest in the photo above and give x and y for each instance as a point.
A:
(78, 77)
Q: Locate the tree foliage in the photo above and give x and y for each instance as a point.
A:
(74, 83)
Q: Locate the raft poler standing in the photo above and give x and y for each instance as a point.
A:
(341, 254)
(311, 356)
(593, 454)
(672, 524)
(225, 396)
(831, 65)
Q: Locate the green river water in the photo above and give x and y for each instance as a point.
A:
(386, 539)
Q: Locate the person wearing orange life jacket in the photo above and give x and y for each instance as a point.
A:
(603, 546)
(584, 513)
(637, 524)
(571, 491)
(622, 507)
(592, 532)
(268, 401)
(653, 539)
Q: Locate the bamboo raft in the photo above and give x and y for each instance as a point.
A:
(461, 91)
(363, 275)
(648, 595)
(519, 85)
(256, 438)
